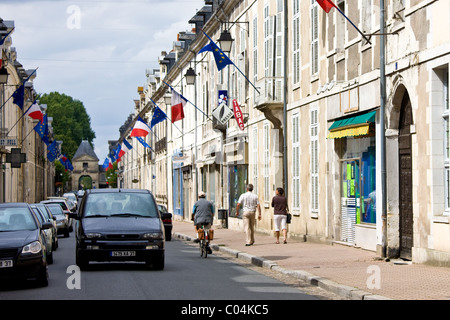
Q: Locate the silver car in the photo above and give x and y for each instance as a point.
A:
(47, 233)
(62, 223)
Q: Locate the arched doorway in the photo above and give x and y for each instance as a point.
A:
(85, 182)
(405, 178)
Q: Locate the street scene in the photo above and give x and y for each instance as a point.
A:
(283, 150)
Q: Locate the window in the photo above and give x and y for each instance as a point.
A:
(85, 166)
(255, 49)
(314, 37)
(266, 162)
(296, 41)
(314, 128)
(296, 161)
(446, 113)
(340, 29)
(255, 157)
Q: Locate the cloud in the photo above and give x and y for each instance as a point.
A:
(96, 51)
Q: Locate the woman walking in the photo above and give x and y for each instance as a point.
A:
(279, 203)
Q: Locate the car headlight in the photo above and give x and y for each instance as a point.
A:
(153, 235)
(34, 247)
(93, 235)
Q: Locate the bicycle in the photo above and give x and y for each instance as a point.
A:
(204, 237)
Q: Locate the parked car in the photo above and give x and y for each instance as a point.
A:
(50, 218)
(47, 233)
(65, 207)
(167, 221)
(62, 223)
(119, 225)
(23, 253)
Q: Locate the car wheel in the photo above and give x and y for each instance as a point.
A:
(80, 261)
(66, 233)
(157, 264)
(42, 279)
(50, 257)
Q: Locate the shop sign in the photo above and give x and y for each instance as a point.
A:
(223, 113)
(238, 114)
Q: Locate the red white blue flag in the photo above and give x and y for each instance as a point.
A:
(141, 129)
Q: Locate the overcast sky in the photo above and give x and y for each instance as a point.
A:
(96, 51)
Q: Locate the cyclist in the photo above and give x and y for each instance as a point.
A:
(203, 214)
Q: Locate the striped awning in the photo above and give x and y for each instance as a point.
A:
(351, 127)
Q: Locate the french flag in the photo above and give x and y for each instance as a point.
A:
(35, 112)
(178, 102)
(125, 147)
(141, 129)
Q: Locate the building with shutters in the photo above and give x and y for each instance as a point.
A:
(312, 124)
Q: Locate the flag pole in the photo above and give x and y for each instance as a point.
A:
(360, 32)
(188, 101)
(18, 88)
(231, 62)
(167, 117)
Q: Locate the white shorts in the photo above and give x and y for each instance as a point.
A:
(280, 221)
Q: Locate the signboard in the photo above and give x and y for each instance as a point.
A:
(16, 158)
(238, 114)
(222, 113)
(8, 142)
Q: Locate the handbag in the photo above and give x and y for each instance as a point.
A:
(288, 218)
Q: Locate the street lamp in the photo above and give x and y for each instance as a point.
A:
(190, 76)
(225, 41)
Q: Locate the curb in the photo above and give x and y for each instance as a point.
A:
(341, 290)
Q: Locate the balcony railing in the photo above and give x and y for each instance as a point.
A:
(271, 92)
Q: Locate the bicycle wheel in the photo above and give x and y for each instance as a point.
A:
(202, 246)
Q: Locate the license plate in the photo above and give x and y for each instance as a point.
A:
(123, 253)
(6, 263)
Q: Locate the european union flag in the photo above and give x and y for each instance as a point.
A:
(19, 95)
(142, 141)
(68, 165)
(42, 130)
(221, 58)
(52, 151)
(158, 116)
(105, 163)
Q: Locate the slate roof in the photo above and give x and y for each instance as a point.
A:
(84, 149)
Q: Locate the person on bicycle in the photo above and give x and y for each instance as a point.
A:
(203, 214)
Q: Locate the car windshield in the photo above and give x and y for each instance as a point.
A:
(55, 210)
(15, 219)
(120, 204)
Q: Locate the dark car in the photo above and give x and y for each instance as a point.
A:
(22, 244)
(65, 207)
(167, 221)
(62, 222)
(119, 225)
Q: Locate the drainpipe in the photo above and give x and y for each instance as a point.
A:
(382, 133)
(285, 98)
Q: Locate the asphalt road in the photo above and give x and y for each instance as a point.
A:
(186, 276)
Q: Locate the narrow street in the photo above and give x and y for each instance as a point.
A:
(186, 276)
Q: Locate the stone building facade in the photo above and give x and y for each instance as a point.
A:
(312, 125)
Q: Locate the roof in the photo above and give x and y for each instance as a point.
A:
(85, 149)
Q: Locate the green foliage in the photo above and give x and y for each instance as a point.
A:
(111, 176)
(71, 123)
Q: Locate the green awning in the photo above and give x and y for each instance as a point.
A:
(354, 121)
(354, 126)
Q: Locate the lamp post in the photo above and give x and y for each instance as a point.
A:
(190, 80)
(226, 41)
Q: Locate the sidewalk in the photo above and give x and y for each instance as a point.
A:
(341, 269)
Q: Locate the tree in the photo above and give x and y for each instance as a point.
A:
(71, 123)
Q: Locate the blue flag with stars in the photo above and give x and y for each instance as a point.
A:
(221, 58)
(158, 116)
(142, 141)
(42, 130)
(52, 151)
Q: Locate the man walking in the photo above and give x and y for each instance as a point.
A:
(250, 203)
